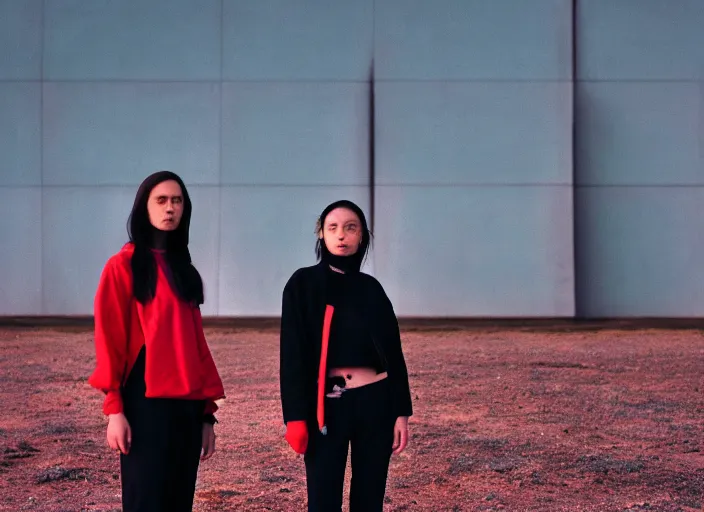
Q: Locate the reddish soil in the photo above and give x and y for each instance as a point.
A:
(505, 420)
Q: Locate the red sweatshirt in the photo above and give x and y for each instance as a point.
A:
(178, 361)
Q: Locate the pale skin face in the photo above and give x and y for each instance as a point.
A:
(342, 232)
(165, 205)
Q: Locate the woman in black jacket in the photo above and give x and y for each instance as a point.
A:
(343, 375)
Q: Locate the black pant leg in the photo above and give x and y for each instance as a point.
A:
(326, 458)
(145, 469)
(159, 473)
(372, 439)
(186, 444)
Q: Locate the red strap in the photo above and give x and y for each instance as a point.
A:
(322, 371)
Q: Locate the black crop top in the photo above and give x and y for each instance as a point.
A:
(350, 344)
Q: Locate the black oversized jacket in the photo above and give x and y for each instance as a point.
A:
(303, 309)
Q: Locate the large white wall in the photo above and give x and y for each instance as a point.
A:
(263, 107)
(640, 158)
(474, 161)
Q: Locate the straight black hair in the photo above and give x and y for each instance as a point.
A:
(184, 276)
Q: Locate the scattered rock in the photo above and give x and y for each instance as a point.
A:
(59, 473)
(276, 479)
(26, 447)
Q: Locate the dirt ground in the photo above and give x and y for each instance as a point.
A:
(505, 420)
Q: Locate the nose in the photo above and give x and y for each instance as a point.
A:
(169, 207)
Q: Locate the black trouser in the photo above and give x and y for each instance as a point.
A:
(360, 417)
(159, 473)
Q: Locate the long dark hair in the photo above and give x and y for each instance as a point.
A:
(321, 250)
(184, 276)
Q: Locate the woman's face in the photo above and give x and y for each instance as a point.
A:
(342, 232)
(165, 205)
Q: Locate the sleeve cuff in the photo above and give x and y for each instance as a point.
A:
(210, 407)
(112, 403)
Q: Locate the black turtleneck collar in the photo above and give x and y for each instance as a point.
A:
(159, 239)
(348, 264)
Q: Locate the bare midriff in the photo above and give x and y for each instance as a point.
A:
(357, 377)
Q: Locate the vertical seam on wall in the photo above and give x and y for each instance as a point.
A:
(218, 282)
(372, 133)
(575, 213)
(42, 302)
(372, 152)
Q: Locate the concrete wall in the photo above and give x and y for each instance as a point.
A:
(263, 107)
(639, 195)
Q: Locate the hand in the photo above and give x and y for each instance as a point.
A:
(400, 435)
(119, 433)
(208, 446)
(297, 436)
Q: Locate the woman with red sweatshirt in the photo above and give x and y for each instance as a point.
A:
(153, 362)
